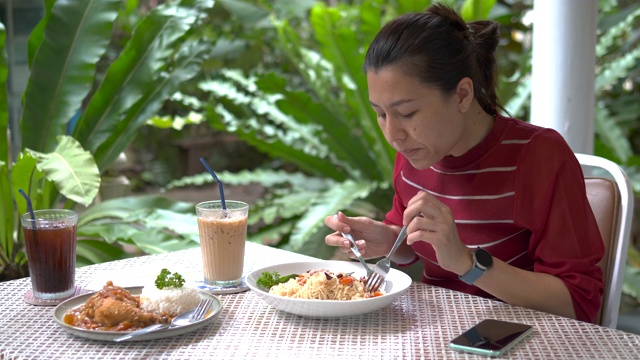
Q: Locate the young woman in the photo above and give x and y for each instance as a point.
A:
(495, 207)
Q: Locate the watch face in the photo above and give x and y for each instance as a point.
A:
(483, 257)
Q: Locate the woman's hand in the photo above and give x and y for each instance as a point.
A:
(379, 236)
(431, 221)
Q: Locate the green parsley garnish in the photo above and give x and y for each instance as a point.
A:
(269, 279)
(168, 280)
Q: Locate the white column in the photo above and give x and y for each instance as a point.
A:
(563, 69)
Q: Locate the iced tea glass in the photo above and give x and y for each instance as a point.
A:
(223, 234)
(51, 251)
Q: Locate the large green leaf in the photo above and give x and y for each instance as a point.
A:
(6, 216)
(155, 241)
(72, 169)
(25, 176)
(121, 208)
(75, 37)
(111, 232)
(132, 76)
(4, 109)
(340, 44)
(340, 65)
(187, 65)
(37, 34)
(89, 252)
(249, 13)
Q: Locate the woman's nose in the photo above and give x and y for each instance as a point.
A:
(394, 130)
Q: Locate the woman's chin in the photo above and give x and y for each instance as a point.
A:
(420, 164)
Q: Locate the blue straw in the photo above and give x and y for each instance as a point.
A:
(206, 166)
(33, 216)
(29, 207)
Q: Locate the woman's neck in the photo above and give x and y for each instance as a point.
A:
(479, 124)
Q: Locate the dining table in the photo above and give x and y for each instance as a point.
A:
(417, 325)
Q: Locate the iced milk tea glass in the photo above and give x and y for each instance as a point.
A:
(223, 234)
(51, 251)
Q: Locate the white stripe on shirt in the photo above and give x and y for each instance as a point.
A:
(489, 244)
(493, 169)
(481, 197)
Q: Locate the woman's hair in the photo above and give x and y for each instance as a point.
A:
(440, 49)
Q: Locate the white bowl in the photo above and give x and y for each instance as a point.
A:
(396, 284)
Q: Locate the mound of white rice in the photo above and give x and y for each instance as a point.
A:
(172, 301)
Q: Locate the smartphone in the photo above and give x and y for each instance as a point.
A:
(491, 337)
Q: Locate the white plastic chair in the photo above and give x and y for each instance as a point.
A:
(611, 198)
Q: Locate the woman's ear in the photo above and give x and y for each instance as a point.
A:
(464, 94)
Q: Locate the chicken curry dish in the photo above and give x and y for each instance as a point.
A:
(113, 309)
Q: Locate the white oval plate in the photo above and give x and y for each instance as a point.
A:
(63, 307)
(396, 284)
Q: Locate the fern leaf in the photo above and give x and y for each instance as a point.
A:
(617, 69)
(611, 134)
(336, 198)
(616, 32)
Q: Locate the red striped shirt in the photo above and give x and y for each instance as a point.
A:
(520, 195)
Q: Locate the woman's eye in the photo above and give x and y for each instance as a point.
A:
(382, 116)
(409, 115)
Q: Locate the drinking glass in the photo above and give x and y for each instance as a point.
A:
(223, 233)
(50, 240)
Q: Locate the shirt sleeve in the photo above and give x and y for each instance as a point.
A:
(551, 201)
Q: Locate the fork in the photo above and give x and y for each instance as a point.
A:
(201, 310)
(198, 314)
(381, 270)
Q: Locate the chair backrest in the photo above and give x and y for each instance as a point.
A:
(611, 198)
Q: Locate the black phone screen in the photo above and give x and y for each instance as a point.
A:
(491, 335)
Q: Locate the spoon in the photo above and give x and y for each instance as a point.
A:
(180, 320)
(355, 250)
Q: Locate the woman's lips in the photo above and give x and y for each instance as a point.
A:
(408, 153)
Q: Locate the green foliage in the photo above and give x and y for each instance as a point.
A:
(67, 168)
(91, 87)
(311, 111)
(72, 170)
(4, 112)
(323, 124)
(75, 36)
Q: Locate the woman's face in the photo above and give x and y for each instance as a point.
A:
(422, 123)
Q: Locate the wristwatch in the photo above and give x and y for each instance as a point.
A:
(482, 261)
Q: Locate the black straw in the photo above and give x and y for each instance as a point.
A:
(206, 166)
